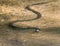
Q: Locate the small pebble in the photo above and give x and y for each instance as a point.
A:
(2, 20)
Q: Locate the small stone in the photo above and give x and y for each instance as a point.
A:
(2, 20)
(37, 30)
(25, 40)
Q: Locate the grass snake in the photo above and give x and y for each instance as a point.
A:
(38, 15)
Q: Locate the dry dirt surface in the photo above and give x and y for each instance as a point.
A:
(49, 23)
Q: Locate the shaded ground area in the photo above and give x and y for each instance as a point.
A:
(49, 23)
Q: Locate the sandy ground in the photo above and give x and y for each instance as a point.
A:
(49, 23)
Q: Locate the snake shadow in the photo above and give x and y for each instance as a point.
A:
(53, 30)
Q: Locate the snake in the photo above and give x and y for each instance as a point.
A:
(38, 15)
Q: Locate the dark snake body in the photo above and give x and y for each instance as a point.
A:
(37, 17)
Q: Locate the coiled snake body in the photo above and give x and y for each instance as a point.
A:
(37, 17)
